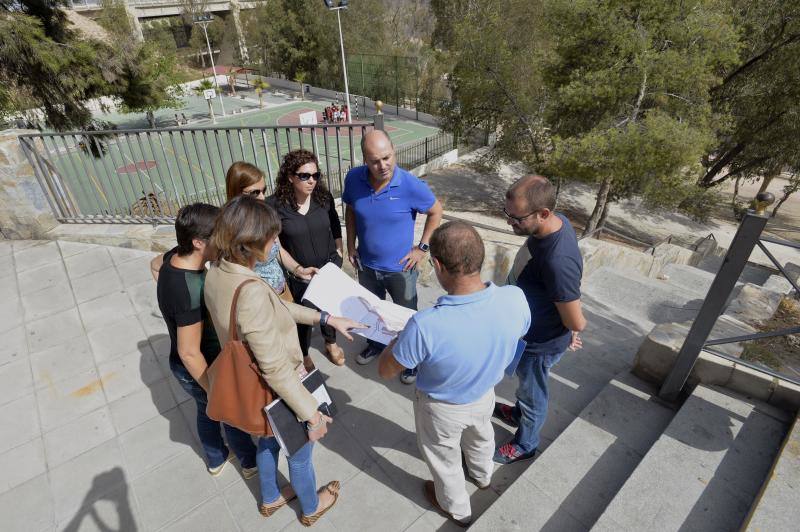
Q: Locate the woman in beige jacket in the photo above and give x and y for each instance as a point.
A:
(244, 233)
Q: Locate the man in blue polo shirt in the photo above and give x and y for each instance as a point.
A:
(548, 269)
(462, 346)
(383, 201)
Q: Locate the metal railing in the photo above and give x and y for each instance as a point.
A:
(747, 237)
(145, 176)
(418, 153)
(646, 247)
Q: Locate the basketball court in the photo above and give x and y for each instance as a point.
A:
(186, 163)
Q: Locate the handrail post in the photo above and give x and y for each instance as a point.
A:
(732, 266)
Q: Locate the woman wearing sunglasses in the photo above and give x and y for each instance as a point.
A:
(311, 233)
(246, 179)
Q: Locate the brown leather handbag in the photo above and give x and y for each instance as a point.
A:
(237, 392)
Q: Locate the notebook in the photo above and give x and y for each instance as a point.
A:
(288, 430)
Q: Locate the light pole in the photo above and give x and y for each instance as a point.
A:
(331, 7)
(203, 20)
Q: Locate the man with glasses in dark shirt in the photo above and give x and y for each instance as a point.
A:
(193, 341)
(548, 269)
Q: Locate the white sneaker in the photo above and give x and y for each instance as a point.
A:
(216, 471)
(249, 472)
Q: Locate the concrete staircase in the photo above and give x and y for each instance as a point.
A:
(617, 457)
(705, 470)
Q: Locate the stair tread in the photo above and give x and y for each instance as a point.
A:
(571, 482)
(704, 470)
(777, 508)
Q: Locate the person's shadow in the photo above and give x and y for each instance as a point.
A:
(99, 492)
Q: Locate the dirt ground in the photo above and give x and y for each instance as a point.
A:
(781, 353)
(468, 190)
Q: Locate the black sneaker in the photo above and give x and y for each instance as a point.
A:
(505, 413)
(409, 376)
(368, 355)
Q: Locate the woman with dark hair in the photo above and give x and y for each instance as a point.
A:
(244, 233)
(245, 178)
(311, 233)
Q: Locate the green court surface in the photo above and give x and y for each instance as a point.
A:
(179, 165)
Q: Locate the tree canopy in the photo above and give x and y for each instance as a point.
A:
(47, 65)
(616, 93)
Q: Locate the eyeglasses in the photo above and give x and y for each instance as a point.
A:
(305, 176)
(256, 192)
(517, 219)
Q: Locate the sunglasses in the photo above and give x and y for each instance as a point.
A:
(517, 219)
(305, 176)
(257, 192)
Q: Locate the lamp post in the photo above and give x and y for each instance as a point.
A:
(331, 7)
(203, 20)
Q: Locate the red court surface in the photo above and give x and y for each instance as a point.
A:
(138, 166)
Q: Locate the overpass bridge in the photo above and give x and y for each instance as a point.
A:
(142, 10)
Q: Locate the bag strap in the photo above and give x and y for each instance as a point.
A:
(233, 329)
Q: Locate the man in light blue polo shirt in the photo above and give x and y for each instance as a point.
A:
(461, 347)
(383, 201)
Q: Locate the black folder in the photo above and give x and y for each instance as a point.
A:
(289, 431)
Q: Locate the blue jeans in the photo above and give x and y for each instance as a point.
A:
(402, 286)
(209, 430)
(301, 474)
(530, 409)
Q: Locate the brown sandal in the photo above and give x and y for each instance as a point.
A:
(335, 354)
(332, 488)
(268, 509)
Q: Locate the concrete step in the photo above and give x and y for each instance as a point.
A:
(705, 470)
(570, 484)
(642, 300)
(752, 273)
(688, 278)
(776, 507)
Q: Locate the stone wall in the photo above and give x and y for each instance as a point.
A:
(24, 210)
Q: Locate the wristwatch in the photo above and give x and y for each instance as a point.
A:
(324, 317)
(424, 247)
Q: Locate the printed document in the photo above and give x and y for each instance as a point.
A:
(335, 292)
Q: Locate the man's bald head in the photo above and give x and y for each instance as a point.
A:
(378, 153)
(537, 191)
(375, 139)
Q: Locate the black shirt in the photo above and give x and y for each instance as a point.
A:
(552, 275)
(180, 298)
(309, 238)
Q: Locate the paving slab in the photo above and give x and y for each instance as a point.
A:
(8, 285)
(28, 507)
(47, 302)
(22, 463)
(46, 276)
(184, 478)
(96, 285)
(70, 398)
(86, 478)
(15, 380)
(78, 436)
(36, 256)
(19, 422)
(92, 260)
(14, 345)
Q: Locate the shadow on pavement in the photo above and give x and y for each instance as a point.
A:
(118, 497)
